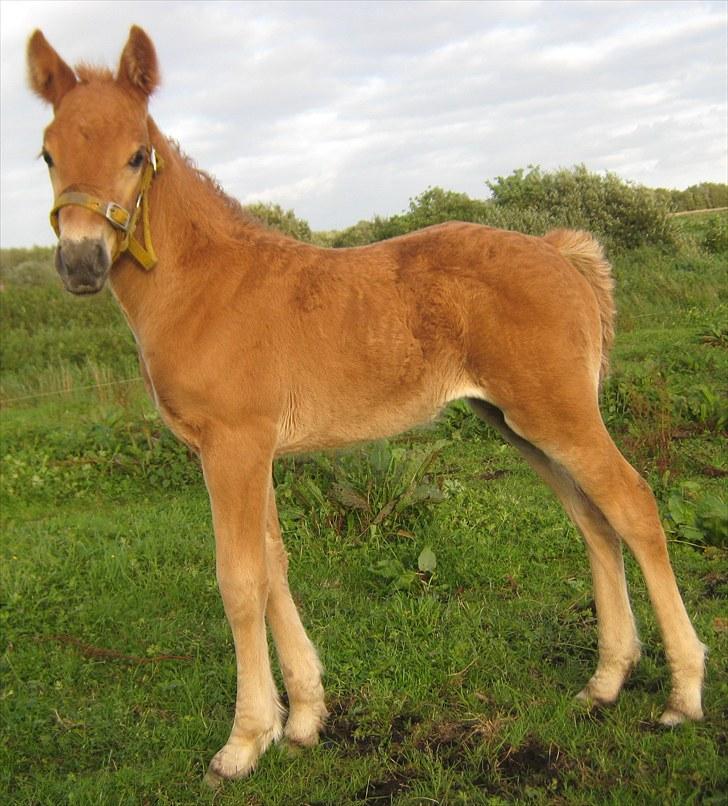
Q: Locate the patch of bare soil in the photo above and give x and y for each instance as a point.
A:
(454, 744)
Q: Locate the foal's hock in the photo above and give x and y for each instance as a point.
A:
(253, 345)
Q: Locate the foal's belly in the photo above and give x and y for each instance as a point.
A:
(353, 415)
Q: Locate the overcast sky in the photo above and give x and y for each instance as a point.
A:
(340, 110)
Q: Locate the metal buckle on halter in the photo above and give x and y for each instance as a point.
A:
(153, 159)
(117, 215)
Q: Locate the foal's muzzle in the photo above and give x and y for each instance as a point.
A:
(83, 265)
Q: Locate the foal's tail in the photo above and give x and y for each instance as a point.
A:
(585, 254)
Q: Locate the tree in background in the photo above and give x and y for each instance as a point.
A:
(706, 195)
(285, 221)
(624, 214)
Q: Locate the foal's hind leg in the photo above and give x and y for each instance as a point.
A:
(299, 662)
(619, 648)
(585, 450)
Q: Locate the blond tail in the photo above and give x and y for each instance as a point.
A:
(585, 254)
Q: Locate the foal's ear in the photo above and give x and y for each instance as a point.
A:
(138, 68)
(49, 76)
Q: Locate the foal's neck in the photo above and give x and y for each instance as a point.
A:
(192, 227)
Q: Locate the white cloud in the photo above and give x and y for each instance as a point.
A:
(340, 111)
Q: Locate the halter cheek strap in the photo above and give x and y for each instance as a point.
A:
(124, 223)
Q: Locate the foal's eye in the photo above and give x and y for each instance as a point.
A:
(47, 158)
(138, 158)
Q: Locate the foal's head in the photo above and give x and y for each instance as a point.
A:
(96, 149)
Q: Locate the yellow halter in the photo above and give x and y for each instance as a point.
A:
(119, 218)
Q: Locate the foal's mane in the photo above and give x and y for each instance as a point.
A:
(236, 221)
(88, 73)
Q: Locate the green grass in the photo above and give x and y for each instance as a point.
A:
(448, 686)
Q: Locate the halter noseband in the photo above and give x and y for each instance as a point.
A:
(120, 219)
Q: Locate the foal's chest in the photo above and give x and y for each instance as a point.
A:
(183, 427)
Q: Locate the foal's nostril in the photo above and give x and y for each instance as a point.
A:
(101, 260)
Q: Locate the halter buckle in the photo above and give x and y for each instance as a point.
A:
(116, 215)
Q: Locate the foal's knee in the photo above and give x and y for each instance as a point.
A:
(243, 594)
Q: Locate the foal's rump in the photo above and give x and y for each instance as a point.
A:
(541, 330)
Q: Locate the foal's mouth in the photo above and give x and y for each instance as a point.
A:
(84, 290)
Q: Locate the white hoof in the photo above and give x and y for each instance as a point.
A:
(304, 724)
(670, 718)
(239, 757)
(594, 694)
(673, 715)
(611, 673)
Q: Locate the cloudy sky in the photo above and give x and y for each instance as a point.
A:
(340, 110)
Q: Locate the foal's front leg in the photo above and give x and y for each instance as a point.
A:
(237, 468)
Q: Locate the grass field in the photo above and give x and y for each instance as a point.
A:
(447, 592)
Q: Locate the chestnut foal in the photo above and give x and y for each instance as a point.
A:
(254, 345)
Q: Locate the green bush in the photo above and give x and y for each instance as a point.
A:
(285, 221)
(716, 234)
(369, 231)
(623, 214)
(435, 206)
(28, 266)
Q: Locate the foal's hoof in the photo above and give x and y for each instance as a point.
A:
(673, 716)
(684, 704)
(212, 779)
(304, 724)
(238, 759)
(230, 763)
(592, 699)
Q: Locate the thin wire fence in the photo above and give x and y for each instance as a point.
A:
(4, 401)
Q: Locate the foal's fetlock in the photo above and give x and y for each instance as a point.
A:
(307, 707)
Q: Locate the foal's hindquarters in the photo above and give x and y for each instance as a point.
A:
(533, 374)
